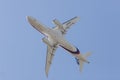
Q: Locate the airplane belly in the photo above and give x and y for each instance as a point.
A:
(54, 36)
(66, 45)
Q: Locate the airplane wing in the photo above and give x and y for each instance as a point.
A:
(64, 26)
(70, 22)
(49, 57)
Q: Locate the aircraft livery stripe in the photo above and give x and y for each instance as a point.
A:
(73, 52)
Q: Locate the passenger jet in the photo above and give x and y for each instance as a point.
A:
(54, 37)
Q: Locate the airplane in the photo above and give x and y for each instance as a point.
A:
(54, 37)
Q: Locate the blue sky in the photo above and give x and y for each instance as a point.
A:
(23, 54)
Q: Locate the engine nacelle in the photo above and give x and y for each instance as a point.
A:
(59, 25)
(46, 41)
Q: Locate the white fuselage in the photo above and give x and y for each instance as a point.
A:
(54, 36)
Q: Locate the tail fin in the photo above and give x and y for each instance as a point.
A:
(82, 59)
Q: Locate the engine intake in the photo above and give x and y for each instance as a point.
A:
(46, 41)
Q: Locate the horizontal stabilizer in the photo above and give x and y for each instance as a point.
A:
(82, 59)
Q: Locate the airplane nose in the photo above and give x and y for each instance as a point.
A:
(30, 19)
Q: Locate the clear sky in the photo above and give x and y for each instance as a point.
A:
(23, 54)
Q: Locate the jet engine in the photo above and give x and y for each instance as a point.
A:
(57, 23)
(60, 25)
(46, 41)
